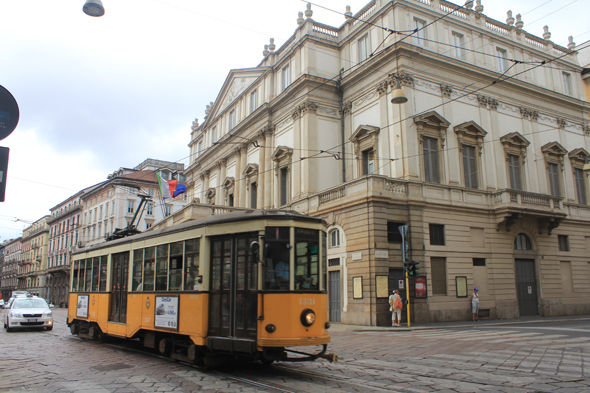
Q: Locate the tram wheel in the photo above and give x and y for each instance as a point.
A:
(74, 328)
(192, 353)
(165, 347)
(267, 362)
(93, 332)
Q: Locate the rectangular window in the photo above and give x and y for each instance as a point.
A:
(232, 119)
(191, 277)
(106, 210)
(230, 200)
(363, 48)
(479, 261)
(437, 234)
(563, 241)
(580, 186)
(514, 171)
(335, 238)
(103, 274)
(567, 83)
(470, 166)
(95, 273)
(150, 209)
(253, 101)
(149, 264)
(431, 160)
(278, 266)
(130, 206)
(284, 181)
(438, 272)
(148, 225)
(285, 77)
(253, 195)
(393, 233)
(368, 161)
(168, 210)
(458, 43)
(162, 267)
(553, 172)
(137, 270)
(307, 259)
(176, 266)
(151, 192)
(420, 34)
(502, 62)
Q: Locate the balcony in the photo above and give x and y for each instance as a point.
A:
(59, 268)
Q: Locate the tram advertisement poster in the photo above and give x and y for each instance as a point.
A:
(166, 312)
(82, 307)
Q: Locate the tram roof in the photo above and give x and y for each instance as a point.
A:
(248, 215)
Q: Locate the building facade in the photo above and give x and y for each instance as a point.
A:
(483, 163)
(64, 228)
(12, 258)
(113, 204)
(33, 266)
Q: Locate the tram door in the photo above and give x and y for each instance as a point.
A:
(233, 301)
(119, 276)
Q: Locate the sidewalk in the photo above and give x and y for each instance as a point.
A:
(340, 327)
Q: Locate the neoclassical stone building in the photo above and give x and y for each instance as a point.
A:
(484, 162)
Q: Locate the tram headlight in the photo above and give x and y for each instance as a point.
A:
(270, 328)
(307, 317)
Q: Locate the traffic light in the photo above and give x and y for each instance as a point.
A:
(406, 266)
(413, 266)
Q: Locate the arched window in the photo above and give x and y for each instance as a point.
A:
(522, 242)
(335, 238)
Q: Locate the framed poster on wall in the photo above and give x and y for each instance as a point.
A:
(461, 283)
(382, 286)
(357, 287)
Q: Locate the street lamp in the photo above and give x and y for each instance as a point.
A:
(398, 94)
(93, 8)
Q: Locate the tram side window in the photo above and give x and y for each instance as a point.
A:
(103, 273)
(95, 273)
(75, 273)
(88, 286)
(306, 259)
(137, 270)
(162, 267)
(277, 258)
(148, 269)
(176, 250)
(191, 276)
(324, 262)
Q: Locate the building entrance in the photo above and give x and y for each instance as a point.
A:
(526, 287)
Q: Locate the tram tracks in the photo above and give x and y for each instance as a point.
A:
(306, 380)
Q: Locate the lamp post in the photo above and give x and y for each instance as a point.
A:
(93, 8)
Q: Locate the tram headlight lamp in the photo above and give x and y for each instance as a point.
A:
(270, 328)
(307, 317)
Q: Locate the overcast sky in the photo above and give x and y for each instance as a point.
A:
(97, 94)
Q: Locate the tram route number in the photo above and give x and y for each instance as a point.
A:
(303, 301)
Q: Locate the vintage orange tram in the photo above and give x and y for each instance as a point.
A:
(244, 284)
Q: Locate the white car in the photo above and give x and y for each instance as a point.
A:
(28, 312)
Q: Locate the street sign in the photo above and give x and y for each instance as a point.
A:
(3, 171)
(403, 229)
(9, 113)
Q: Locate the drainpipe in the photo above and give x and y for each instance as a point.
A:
(341, 93)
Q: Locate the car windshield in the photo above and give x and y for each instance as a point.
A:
(29, 303)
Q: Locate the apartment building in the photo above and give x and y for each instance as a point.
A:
(10, 265)
(32, 274)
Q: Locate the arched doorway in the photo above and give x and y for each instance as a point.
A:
(525, 275)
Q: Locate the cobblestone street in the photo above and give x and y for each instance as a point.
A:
(539, 356)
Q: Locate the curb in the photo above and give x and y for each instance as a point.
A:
(471, 325)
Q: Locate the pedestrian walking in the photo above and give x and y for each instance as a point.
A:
(475, 304)
(396, 305)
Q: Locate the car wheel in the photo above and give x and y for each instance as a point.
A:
(6, 325)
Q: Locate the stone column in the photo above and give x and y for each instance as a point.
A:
(309, 134)
(220, 195)
(261, 170)
(243, 188)
(383, 145)
(205, 183)
(296, 175)
(238, 176)
(268, 172)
